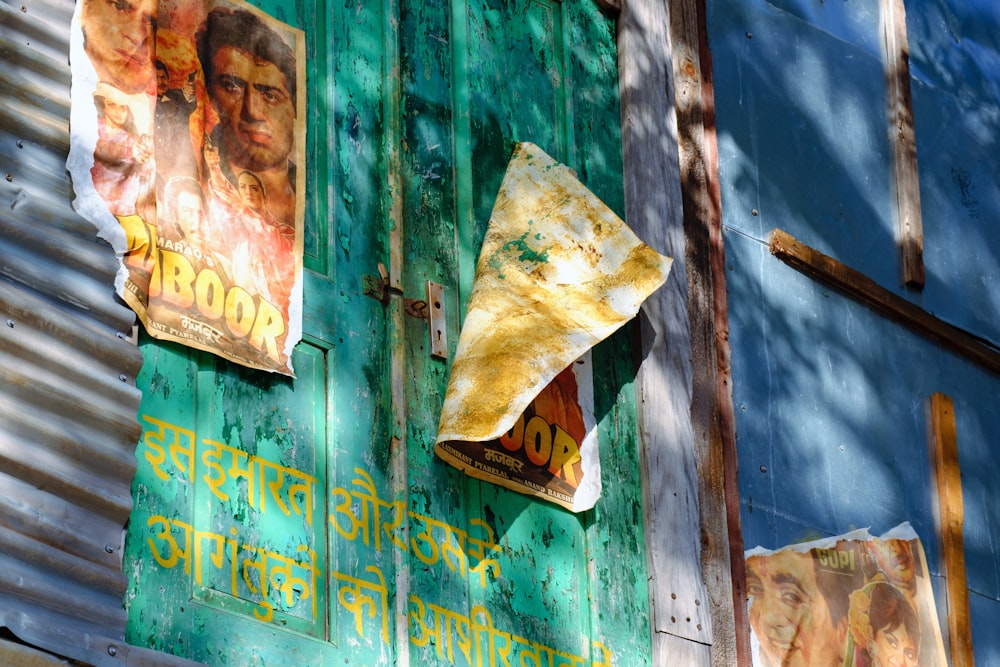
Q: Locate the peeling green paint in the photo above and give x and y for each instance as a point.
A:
(421, 92)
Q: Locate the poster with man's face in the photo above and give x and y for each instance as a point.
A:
(851, 601)
(187, 151)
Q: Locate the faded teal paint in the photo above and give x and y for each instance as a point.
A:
(410, 106)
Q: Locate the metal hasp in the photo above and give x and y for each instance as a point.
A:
(377, 287)
(436, 318)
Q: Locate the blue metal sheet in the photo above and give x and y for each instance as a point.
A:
(802, 128)
(955, 62)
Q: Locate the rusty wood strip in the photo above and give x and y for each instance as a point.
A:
(865, 290)
(950, 511)
(712, 412)
(726, 413)
(902, 140)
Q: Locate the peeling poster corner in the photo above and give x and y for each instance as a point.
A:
(558, 273)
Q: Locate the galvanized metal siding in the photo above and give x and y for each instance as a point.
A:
(67, 397)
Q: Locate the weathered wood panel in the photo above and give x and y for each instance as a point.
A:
(654, 209)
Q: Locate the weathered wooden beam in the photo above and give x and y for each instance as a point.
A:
(950, 515)
(712, 414)
(902, 140)
(682, 631)
(865, 290)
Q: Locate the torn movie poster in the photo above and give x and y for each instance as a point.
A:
(187, 127)
(558, 272)
(848, 601)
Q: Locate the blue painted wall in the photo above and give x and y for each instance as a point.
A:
(830, 398)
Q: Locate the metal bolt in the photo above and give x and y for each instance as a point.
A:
(763, 469)
(10, 177)
(754, 213)
(749, 36)
(112, 650)
(110, 549)
(10, 323)
(123, 377)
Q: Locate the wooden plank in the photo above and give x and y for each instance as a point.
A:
(858, 286)
(712, 412)
(653, 208)
(902, 140)
(949, 514)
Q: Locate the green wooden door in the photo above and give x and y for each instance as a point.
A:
(308, 521)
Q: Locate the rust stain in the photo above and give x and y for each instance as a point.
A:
(558, 272)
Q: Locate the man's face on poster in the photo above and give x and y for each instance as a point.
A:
(189, 215)
(118, 37)
(255, 108)
(789, 613)
(162, 81)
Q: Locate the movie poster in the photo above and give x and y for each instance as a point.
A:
(550, 451)
(851, 601)
(187, 126)
(558, 272)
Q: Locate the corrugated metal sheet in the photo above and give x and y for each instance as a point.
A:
(67, 396)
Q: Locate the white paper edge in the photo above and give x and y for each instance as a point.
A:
(903, 531)
(589, 491)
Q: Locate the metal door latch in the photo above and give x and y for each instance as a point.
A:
(431, 308)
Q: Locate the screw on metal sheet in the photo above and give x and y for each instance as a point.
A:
(763, 469)
(10, 323)
(20, 144)
(110, 549)
(123, 377)
(112, 650)
(754, 213)
(9, 176)
(749, 35)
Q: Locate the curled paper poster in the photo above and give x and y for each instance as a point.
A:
(558, 272)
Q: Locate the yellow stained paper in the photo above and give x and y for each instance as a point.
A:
(558, 272)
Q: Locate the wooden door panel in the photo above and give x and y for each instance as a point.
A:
(414, 109)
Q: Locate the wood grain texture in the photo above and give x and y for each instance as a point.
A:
(653, 208)
(950, 515)
(711, 412)
(902, 140)
(862, 288)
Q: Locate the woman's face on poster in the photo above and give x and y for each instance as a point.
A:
(894, 648)
(115, 112)
(251, 192)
